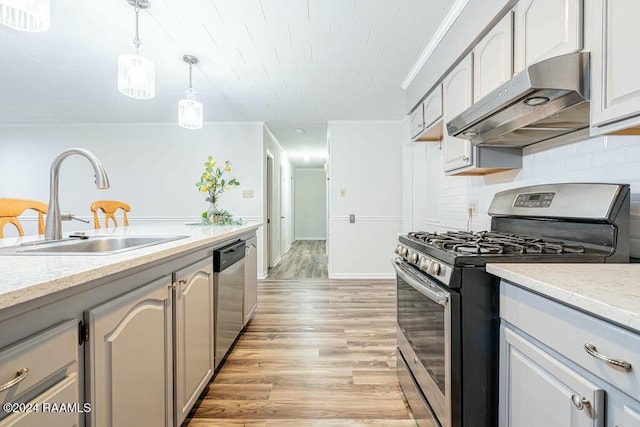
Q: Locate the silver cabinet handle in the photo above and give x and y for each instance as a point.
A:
(580, 402)
(593, 351)
(20, 376)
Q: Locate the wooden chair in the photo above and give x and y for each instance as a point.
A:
(109, 207)
(11, 209)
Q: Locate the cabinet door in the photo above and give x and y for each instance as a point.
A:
(130, 363)
(458, 96)
(433, 107)
(538, 390)
(250, 279)
(546, 28)
(615, 61)
(416, 121)
(622, 411)
(194, 322)
(493, 58)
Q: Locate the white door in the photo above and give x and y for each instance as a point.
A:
(130, 363)
(546, 28)
(194, 327)
(458, 96)
(493, 58)
(538, 390)
(250, 280)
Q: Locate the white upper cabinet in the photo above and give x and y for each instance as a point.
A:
(546, 28)
(425, 122)
(493, 58)
(457, 97)
(615, 65)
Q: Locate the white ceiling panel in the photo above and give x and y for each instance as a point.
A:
(390, 32)
(332, 54)
(371, 10)
(350, 33)
(311, 33)
(269, 35)
(282, 11)
(331, 10)
(258, 56)
(239, 11)
(294, 54)
(292, 63)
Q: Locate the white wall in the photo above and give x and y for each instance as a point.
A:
(365, 161)
(310, 204)
(153, 167)
(606, 159)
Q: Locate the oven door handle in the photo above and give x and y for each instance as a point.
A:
(439, 297)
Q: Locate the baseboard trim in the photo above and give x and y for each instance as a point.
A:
(310, 238)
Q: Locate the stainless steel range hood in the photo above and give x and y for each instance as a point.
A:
(549, 99)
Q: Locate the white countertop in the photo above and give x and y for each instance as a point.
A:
(24, 278)
(609, 291)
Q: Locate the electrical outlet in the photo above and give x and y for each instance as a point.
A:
(473, 207)
(352, 218)
(247, 194)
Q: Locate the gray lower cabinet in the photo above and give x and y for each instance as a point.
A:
(129, 363)
(539, 390)
(30, 381)
(562, 367)
(194, 332)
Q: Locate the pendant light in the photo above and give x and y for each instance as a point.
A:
(33, 16)
(190, 111)
(136, 73)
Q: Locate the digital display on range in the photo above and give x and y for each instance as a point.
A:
(534, 200)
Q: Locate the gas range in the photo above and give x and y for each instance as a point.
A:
(448, 305)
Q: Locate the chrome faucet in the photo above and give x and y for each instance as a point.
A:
(53, 227)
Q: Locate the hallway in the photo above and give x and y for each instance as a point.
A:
(307, 259)
(316, 354)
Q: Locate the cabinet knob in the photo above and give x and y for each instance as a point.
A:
(182, 281)
(465, 159)
(580, 402)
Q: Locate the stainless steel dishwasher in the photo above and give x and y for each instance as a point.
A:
(228, 264)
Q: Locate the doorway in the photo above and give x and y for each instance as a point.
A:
(270, 237)
(307, 257)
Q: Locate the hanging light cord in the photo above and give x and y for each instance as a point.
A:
(190, 71)
(136, 40)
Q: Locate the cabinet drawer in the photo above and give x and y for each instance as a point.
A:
(48, 412)
(42, 357)
(567, 331)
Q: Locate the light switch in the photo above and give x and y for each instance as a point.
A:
(352, 218)
(247, 194)
(343, 192)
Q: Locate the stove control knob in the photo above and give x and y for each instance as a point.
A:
(413, 258)
(434, 268)
(424, 264)
(397, 249)
(403, 251)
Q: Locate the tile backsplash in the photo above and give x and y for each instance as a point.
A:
(442, 201)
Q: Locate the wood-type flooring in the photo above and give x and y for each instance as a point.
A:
(306, 259)
(315, 354)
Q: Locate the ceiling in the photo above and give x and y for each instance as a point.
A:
(291, 63)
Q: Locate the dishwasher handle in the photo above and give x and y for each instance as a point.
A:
(226, 256)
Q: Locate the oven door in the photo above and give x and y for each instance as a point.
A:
(424, 336)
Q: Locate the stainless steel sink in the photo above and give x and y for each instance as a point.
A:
(93, 245)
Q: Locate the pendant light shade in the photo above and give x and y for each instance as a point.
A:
(190, 110)
(26, 15)
(136, 73)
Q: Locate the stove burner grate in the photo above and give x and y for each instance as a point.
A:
(489, 242)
